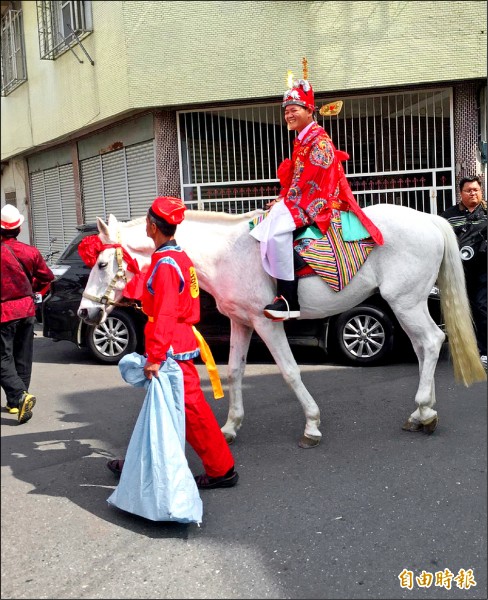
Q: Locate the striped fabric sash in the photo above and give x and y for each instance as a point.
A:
(333, 259)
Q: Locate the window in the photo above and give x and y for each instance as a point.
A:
(11, 198)
(61, 24)
(14, 71)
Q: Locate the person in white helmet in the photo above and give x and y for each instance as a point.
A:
(23, 272)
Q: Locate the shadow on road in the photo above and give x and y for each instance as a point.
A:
(342, 518)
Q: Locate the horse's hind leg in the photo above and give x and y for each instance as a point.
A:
(427, 340)
(240, 338)
(273, 335)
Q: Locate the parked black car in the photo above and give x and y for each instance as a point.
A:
(368, 334)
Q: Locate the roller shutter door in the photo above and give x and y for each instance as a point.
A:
(115, 185)
(91, 186)
(53, 206)
(39, 212)
(122, 183)
(141, 177)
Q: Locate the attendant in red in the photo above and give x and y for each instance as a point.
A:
(24, 272)
(313, 184)
(171, 301)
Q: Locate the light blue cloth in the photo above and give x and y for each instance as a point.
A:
(352, 228)
(156, 482)
(312, 232)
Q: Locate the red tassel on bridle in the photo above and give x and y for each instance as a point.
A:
(90, 247)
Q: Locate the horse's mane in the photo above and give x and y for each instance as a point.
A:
(202, 216)
(134, 222)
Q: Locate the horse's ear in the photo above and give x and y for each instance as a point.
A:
(102, 227)
(112, 220)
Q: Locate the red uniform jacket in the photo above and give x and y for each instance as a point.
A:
(15, 288)
(171, 300)
(313, 183)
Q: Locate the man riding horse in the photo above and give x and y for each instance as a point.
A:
(313, 185)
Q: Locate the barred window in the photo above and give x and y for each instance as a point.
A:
(399, 146)
(61, 23)
(14, 71)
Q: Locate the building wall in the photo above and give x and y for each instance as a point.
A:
(466, 130)
(173, 54)
(63, 96)
(14, 190)
(167, 162)
(240, 50)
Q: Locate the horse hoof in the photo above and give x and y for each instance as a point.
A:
(417, 426)
(308, 442)
(229, 438)
(412, 426)
(432, 426)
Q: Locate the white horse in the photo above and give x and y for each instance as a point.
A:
(419, 250)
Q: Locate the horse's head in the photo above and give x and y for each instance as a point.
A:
(108, 278)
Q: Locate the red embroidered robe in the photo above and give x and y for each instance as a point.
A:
(313, 183)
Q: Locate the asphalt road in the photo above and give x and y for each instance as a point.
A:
(342, 520)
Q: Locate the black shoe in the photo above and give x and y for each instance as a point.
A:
(27, 403)
(116, 465)
(204, 482)
(280, 310)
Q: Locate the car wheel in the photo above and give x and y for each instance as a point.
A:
(113, 339)
(363, 336)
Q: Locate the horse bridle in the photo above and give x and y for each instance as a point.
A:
(105, 299)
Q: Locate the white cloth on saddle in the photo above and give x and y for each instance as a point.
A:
(275, 234)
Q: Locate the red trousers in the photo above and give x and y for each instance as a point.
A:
(202, 429)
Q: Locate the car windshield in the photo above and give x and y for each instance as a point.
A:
(70, 254)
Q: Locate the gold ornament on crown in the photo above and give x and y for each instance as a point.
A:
(289, 79)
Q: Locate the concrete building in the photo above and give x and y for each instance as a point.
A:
(107, 104)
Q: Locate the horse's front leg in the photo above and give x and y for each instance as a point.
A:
(273, 335)
(240, 338)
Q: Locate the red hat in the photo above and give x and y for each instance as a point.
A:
(301, 93)
(169, 209)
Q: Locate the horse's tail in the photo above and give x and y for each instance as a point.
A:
(456, 310)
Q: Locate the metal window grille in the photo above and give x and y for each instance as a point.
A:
(400, 147)
(57, 20)
(14, 70)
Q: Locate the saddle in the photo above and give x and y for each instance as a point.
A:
(336, 256)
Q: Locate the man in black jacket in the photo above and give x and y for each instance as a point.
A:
(468, 219)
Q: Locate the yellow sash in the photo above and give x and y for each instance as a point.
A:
(209, 361)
